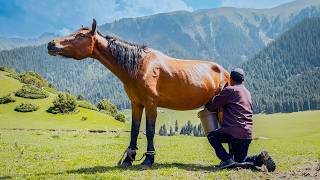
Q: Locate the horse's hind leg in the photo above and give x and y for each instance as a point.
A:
(151, 116)
(135, 126)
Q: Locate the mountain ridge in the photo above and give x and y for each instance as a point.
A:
(202, 30)
(285, 76)
(8, 43)
(181, 36)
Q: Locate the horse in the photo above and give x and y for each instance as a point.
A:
(150, 78)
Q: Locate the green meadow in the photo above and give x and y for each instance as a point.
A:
(40, 119)
(29, 149)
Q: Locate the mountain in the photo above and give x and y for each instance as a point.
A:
(285, 76)
(229, 36)
(10, 43)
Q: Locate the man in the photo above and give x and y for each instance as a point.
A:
(236, 127)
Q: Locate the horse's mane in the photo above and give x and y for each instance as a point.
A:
(127, 53)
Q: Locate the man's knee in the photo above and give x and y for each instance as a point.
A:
(219, 136)
(211, 135)
(213, 138)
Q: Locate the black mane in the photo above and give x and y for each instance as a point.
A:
(127, 53)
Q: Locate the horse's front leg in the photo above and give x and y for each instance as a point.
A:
(135, 126)
(151, 116)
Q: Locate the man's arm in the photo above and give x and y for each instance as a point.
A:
(219, 100)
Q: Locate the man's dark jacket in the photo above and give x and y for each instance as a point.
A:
(237, 111)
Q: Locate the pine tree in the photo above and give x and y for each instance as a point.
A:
(189, 127)
(161, 131)
(165, 132)
(176, 126)
(182, 131)
(171, 131)
(195, 131)
(200, 130)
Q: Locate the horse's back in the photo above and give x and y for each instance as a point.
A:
(187, 84)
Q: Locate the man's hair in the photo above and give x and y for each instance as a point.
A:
(238, 75)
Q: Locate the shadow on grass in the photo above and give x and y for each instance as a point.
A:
(156, 166)
(188, 167)
(5, 177)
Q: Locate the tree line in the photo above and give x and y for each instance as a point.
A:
(187, 129)
(285, 76)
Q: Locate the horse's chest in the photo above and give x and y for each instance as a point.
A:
(142, 91)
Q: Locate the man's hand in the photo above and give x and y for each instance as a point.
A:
(219, 100)
(207, 105)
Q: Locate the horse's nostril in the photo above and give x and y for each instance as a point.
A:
(51, 45)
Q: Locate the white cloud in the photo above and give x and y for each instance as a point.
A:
(134, 8)
(102, 10)
(259, 4)
(38, 16)
(64, 31)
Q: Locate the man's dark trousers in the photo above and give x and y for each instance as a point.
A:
(238, 148)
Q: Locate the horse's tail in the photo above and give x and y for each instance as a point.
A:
(224, 79)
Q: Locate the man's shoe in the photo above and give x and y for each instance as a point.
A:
(268, 161)
(227, 163)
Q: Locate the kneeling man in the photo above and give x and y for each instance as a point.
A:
(236, 127)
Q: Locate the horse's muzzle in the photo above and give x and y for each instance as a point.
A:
(52, 49)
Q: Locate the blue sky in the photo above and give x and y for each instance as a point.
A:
(31, 18)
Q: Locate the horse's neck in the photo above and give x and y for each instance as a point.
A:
(105, 57)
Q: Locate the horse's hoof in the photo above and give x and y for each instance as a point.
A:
(125, 164)
(148, 161)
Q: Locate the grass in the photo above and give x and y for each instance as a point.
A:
(292, 139)
(73, 155)
(40, 119)
(8, 84)
(168, 117)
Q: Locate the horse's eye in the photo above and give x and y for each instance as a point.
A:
(81, 35)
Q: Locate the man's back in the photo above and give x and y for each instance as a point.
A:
(237, 114)
(237, 111)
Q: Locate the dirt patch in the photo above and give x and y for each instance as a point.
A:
(307, 171)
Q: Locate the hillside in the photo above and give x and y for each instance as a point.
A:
(228, 36)
(225, 35)
(292, 139)
(41, 119)
(285, 76)
(87, 77)
(11, 43)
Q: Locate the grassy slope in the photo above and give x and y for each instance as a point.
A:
(43, 120)
(168, 117)
(293, 140)
(301, 122)
(294, 143)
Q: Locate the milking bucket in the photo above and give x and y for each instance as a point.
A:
(209, 120)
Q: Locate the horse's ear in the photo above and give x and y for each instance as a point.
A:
(94, 27)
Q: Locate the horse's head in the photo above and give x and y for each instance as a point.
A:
(78, 45)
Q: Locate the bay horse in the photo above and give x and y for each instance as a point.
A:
(151, 79)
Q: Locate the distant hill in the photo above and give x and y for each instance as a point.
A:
(87, 77)
(229, 36)
(41, 119)
(285, 76)
(10, 43)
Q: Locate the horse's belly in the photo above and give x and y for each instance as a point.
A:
(183, 85)
(185, 97)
